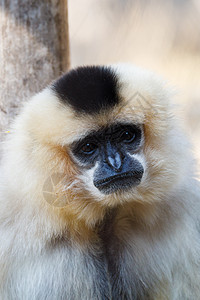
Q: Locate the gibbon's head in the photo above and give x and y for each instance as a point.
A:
(111, 133)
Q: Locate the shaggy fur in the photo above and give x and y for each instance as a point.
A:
(140, 244)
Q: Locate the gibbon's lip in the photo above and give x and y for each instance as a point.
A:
(119, 181)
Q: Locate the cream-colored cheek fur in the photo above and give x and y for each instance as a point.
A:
(141, 158)
(86, 178)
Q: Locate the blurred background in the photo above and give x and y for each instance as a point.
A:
(160, 35)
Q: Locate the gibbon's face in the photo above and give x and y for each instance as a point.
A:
(114, 132)
(108, 154)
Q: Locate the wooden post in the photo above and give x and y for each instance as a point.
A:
(34, 50)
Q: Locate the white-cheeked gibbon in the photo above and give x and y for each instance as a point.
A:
(97, 193)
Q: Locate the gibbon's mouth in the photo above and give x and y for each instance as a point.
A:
(118, 182)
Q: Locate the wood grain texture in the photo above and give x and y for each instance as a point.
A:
(34, 50)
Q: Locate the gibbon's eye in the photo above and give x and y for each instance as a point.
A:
(88, 148)
(127, 136)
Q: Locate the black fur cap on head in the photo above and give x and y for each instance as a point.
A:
(88, 89)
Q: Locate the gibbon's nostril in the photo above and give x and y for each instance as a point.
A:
(113, 157)
(115, 161)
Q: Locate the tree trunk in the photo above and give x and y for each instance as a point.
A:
(34, 50)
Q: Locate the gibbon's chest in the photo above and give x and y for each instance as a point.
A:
(97, 270)
(106, 269)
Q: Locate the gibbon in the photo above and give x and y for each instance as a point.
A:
(98, 197)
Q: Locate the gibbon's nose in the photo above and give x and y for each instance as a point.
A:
(113, 157)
